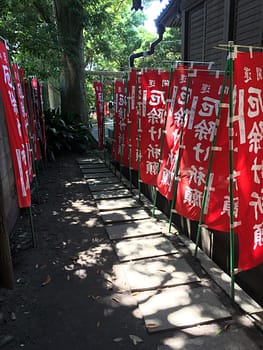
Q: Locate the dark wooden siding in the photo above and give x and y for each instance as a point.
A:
(204, 29)
(214, 34)
(248, 22)
(195, 25)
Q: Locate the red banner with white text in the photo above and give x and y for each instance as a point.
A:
(173, 129)
(133, 118)
(99, 110)
(202, 110)
(248, 157)
(120, 147)
(23, 117)
(18, 149)
(154, 90)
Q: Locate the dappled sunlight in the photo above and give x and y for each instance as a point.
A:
(73, 183)
(93, 256)
(81, 206)
(161, 272)
(80, 273)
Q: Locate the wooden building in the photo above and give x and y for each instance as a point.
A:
(207, 23)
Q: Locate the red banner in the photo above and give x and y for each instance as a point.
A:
(154, 86)
(202, 110)
(173, 129)
(248, 162)
(18, 150)
(120, 147)
(23, 118)
(99, 111)
(133, 118)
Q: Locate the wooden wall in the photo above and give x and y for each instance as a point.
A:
(207, 23)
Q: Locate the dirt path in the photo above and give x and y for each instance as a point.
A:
(66, 295)
(63, 296)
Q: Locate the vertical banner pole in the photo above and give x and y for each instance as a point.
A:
(34, 238)
(231, 170)
(179, 156)
(207, 183)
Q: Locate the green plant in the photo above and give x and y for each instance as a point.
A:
(65, 133)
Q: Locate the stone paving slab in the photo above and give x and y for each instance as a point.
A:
(180, 307)
(133, 229)
(111, 204)
(231, 340)
(124, 215)
(140, 248)
(98, 175)
(165, 271)
(90, 160)
(106, 187)
(121, 193)
(94, 170)
(103, 180)
(92, 165)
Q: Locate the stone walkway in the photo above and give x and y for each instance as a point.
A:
(172, 289)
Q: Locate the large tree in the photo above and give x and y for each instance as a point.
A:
(57, 39)
(46, 36)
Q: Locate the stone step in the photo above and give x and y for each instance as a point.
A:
(180, 307)
(140, 248)
(106, 187)
(123, 215)
(122, 193)
(133, 229)
(110, 204)
(159, 272)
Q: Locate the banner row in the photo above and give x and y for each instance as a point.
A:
(23, 107)
(174, 129)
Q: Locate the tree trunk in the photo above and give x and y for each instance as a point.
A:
(69, 16)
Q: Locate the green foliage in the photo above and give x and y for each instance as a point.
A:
(65, 134)
(166, 51)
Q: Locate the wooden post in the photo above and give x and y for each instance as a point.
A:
(6, 266)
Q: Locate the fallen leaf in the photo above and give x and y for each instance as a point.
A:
(152, 325)
(227, 326)
(117, 340)
(134, 293)
(135, 339)
(162, 270)
(47, 281)
(115, 299)
(218, 331)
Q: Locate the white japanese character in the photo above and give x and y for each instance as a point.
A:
(258, 236)
(257, 168)
(257, 203)
(255, 137)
